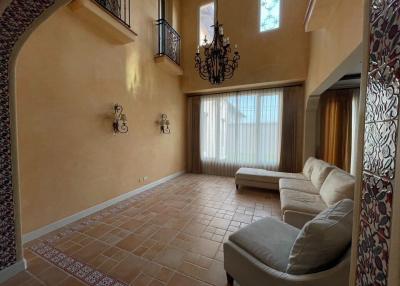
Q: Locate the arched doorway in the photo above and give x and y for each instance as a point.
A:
(18, 19)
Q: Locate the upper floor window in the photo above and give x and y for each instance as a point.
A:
(206, 22)
(269, 15)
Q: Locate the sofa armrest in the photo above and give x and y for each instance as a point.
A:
(249, 271)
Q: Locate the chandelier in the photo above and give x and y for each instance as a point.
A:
(217, 64)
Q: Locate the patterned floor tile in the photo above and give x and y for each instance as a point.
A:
(169, 235)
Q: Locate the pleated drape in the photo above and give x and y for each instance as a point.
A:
(336, 127)
(292, 129)
(240, 129)
(193, 126)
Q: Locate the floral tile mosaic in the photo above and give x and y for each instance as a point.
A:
(380, 141)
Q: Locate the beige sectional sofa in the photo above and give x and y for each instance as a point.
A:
(303, 195)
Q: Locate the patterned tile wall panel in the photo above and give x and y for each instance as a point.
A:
(380, 138)
(14, 21)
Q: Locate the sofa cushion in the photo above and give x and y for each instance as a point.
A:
(297, 219)
(308, 167)
(261, 175)
(319, 173)
(323, 240)
(298, 185)
(301, 202)
(338, 185)
(269, 240)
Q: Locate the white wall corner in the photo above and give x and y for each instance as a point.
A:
(13, 270)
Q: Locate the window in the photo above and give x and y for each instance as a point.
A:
(269, 15)
(241, 129)
(206, 29)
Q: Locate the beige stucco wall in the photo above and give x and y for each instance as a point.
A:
(336, 48)
(68, 79)
(274, 56)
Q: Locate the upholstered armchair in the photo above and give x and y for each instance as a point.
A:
(272, 253)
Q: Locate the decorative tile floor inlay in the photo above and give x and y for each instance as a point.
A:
(74, 267)
(170, 235)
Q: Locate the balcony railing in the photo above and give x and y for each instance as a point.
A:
(169, 41)
(120, 9)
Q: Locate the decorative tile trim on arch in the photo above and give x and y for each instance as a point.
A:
(14, 22)
(380, 138)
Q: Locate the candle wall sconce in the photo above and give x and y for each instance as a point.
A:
(120, 124)
(164, 124)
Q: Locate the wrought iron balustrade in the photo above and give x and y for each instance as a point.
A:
(120, 9)
(169, 41)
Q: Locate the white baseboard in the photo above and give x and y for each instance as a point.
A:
(63, 222)
(13, 270)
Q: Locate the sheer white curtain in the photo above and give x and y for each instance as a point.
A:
(240, 129)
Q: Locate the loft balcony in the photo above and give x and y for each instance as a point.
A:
(110, 19)
(119, 9)
(169, 47)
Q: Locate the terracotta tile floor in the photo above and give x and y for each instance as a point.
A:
(170, 235)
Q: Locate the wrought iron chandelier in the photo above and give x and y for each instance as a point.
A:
(217, 65)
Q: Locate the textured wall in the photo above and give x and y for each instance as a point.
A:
(380, 139)
(69, 158)
(332, 46)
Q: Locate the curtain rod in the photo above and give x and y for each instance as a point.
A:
(245, 89)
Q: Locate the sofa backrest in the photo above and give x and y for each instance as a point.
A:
(308, 167)
(338, 185)
(320, 171)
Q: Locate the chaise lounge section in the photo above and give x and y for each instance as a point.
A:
(302, 195)
(260, 178)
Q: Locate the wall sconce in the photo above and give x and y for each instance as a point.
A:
(164, 124)
(120, 124)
